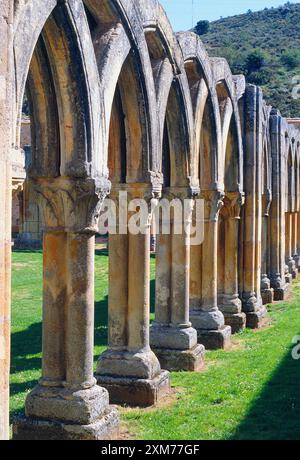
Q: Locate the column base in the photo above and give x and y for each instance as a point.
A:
(176, 360)
(142, 365)
(136, 392)
(215, 339)
(280, 293)
(172, 338)
(66, 405)
(236, 321)
(267, 296)
(30, 429)
(288, 279)
(256, 319)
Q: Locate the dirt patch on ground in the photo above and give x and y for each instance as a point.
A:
(168, 401)
(164, 403)
(20, 265)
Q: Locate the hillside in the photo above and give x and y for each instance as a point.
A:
(264, 46)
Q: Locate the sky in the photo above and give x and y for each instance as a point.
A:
(183, 15)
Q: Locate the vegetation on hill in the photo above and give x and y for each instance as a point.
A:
(265, 47)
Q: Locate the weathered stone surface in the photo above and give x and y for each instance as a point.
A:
(82, 407)
(215, 339)
(136, 392)
(30, 429)
(237, 322)
(172, 338)
(190, 360)
(121, 103)
(257, 319)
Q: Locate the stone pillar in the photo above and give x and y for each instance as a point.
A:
(298, 240)
(289, 247)
(231, 305)
(6, 115)
(173, 339)
(252, 214)
(129, 369)
(295, 242)
(277, 209)
(267, 293)
(205, 316)
(67, 403)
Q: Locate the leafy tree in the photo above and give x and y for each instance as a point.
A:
(202, 27)
(291, 58)
(256, 60)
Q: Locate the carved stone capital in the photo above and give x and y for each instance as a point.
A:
(233, 202)
(71, 205)
(213, 204)
(194, 187)
(157, 181)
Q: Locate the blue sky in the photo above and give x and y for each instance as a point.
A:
(181, 15)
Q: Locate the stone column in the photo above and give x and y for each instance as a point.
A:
(267, 292)
(205, 316)
(252, 214)
(295, 242)
(68, 404)
(289, 247)
(277, 209)
(173, 339)
(6, 115)
(129, 369)
(298, 240)
(231, 305)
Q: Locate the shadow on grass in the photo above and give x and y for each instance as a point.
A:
(101, 319)
(25, 343)
(28, 251)
(275, 414)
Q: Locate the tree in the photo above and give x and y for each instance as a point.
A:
(202, 27)
(291, 58)
(256, 60)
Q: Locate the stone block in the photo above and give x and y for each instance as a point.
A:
(216, 339)
(257, 319)
(267, 296)
(176, 360)
(31, 429)
(82, 407)
(237, 322)
(172, 338)
(136, 392)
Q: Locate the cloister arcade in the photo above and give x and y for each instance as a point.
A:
(120, 103)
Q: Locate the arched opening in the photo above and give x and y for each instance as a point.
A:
(290, 196)
(266, 292)
(65, 174)
(129, 363)
(229, 298)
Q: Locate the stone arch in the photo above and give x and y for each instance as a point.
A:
(207, 125)
(171, 85)
(131, 128)
(118, 32)
(58, 44)
(230, 90)
(70, 183)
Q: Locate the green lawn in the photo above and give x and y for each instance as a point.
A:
(249, 392)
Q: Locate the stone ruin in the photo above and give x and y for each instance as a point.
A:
(119, 102)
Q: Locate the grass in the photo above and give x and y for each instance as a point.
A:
(249, 392)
